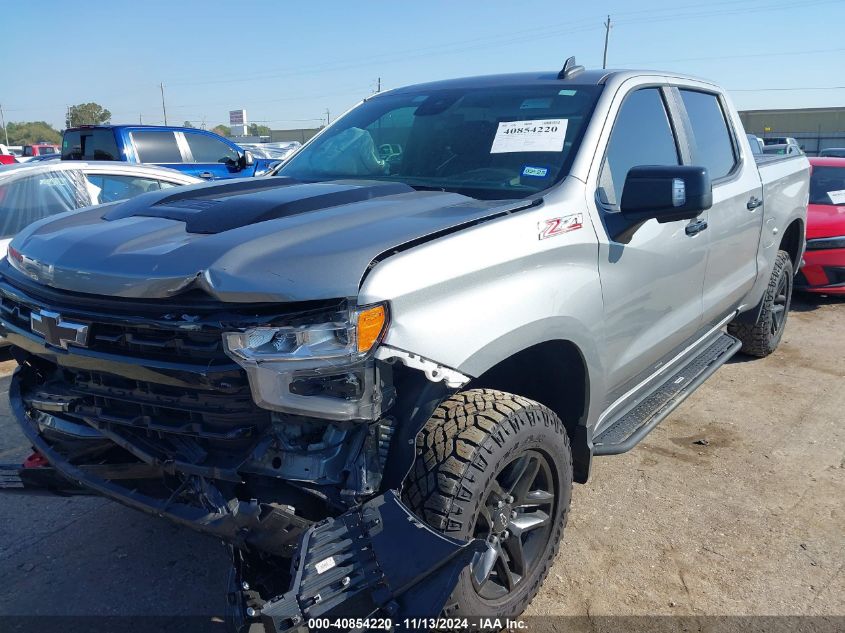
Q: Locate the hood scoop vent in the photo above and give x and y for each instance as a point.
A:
(218, 208)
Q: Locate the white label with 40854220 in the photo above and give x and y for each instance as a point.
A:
(540, 135)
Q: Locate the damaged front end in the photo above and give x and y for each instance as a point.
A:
(355, 566)
(282, 432)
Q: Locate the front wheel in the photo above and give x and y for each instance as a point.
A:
(497, 467)
(762, 337)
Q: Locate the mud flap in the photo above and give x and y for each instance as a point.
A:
(377, 560)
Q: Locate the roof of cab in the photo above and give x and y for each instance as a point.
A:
(135, 126)
(590, 77)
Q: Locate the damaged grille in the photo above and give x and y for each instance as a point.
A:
(153, 377)
(186, 330)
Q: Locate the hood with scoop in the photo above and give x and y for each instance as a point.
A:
(270, 239)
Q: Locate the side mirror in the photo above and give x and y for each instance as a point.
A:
(246, 159)
(666, 193)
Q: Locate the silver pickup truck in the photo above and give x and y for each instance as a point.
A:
(378, 373)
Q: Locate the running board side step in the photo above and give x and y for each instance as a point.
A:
(649, 410)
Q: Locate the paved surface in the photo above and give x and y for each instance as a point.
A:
(749, 521)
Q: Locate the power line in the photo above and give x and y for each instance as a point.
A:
(747, 55)
(785, 89)
(682, 12)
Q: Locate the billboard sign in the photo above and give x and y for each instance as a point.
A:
(237, 117)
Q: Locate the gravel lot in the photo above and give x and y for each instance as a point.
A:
(735, 505)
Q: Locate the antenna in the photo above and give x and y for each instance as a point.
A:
(570, 69)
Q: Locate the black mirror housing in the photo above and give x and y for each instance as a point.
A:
(245, 159)
(666, 193)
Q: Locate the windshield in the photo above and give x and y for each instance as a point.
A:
(489, 143)
(827, 185)
(833, 152)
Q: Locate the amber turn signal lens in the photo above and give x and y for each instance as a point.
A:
(370, 325)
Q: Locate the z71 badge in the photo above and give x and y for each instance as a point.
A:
(559, 226)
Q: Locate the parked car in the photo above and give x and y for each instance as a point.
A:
(272, 151)
(779, 140)
(782, 150)
(6, 156)
(195, 152)
(38, 149)
(391, 366)
(43, 157)
(824, 267)
(755, 143)
(832, 152)
(33, 191)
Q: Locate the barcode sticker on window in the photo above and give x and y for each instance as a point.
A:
(837, 197)
(529, 136)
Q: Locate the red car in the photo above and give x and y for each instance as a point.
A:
(39, 149)
(824, 268)
(7, 159)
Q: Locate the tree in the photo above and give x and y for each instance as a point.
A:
(87, 114)
(29, 132)
(258, 130)
(222, 130)
(187, 124)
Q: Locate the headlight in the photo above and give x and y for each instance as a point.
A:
(321, 370)
(349, 340)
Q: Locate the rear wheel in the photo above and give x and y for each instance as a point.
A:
(497, 467)
(762, 337)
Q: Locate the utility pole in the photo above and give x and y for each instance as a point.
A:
(378, 85)
(140, 119)
(328, 117)
(607, 27)
(163, 109)
(3, 123)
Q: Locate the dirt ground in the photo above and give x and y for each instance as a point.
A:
(734, 505)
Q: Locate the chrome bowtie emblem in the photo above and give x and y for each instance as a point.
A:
(56, 331)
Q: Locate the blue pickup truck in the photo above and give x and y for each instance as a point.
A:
(196, 152)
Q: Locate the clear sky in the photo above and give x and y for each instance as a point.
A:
(288, 62)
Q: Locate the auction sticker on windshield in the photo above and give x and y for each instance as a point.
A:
(529, 136)
(837, 197)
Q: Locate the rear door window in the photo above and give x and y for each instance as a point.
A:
(114, 187)
(94, 144)
(642, 135)
(207, 149)
(156, 147)
(714, 147)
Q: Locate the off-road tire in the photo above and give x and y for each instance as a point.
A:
(463, 446)
(757, 338)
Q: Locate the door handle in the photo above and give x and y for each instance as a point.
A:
(753, 203)
(206, 174)
(696, 227)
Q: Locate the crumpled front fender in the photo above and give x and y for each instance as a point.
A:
(376, 561)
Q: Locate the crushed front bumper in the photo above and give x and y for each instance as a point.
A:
(377, 562)
(370, 561)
